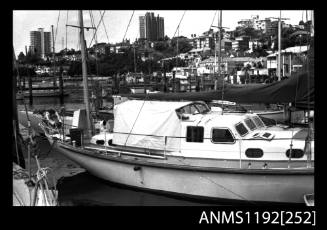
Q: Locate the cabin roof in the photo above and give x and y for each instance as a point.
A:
(219, 120)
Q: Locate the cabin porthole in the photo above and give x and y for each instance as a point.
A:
(254, 153)
(99, 142)
(110, 142)
(296, 153)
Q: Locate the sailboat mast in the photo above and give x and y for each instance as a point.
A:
(219, 47)
(279, 45)
(134, 59)
(84, 73)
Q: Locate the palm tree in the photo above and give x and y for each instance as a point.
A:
(246, 70)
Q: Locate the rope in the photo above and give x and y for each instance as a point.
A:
(219, 185)
(135, 122)
(97, 27)
(179, 23)
(57, 28)
(96, 61)
(105, 30)
(128, 24)
(211, 26)
(18, 199)
(16, 141)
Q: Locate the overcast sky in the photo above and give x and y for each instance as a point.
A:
(194, 22)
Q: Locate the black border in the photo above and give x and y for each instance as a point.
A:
(154, 217)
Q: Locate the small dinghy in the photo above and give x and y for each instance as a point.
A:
(309, 199)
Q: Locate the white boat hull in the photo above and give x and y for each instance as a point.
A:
(225, 184)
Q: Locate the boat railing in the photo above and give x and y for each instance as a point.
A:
(147, 151)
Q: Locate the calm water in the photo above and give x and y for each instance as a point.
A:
(86, 190)
(72, 101)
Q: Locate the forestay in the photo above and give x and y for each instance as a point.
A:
(146, 124)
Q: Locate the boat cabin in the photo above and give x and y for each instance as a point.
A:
(191, 129)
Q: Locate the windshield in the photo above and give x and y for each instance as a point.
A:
(202, 108)
(196, 108)
(250, 124)
(258, 122)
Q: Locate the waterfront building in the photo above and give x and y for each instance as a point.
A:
(40, 42)
(291, 61)
(241, 43)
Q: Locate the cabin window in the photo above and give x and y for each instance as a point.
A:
(222, 136)
(189, 109)
(254, 153)
(241, 129)
(250, 124)
(296, 153)
(201, 108)
(258, 122)
(194, 134)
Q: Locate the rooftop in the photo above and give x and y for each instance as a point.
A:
(295, 49)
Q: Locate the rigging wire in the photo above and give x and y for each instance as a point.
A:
(179, 23)
(105, 30)
(219, 185)
(211, 26)
(128, 25)
(97, 27)
(66, 28)
(96, 64)
(56, 28)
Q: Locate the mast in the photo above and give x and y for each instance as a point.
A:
(279, 45)
(53, 56)
(219, 48)
(279, 62)
(84, 72)
(134, 58)
(219, 40)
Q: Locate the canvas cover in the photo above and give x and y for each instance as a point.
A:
(145, 124)
(298, 89)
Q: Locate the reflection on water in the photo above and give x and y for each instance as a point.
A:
(86, 190)
(73, 101)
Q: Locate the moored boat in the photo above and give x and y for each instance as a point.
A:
(184, 148)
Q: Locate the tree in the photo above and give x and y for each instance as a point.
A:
(160, 46)
(33, 59)
(21, 57)
(289, 40)
(246, 69)
(183, 44)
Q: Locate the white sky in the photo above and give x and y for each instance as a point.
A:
(116, 21)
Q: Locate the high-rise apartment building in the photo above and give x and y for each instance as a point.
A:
(151, 28)
(40, 42)
(142, 26)
(161, 27)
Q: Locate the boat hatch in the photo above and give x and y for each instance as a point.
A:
(264, 136)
